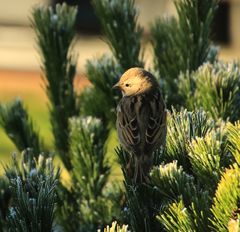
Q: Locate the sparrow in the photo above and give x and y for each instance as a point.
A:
(141, 119)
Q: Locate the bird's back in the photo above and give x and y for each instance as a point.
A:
(141, 122)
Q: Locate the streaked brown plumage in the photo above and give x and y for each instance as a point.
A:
(141, 118)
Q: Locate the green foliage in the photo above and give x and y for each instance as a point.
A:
(5, 197)
(17, 124)
(226, 202)
(139, 212)
(199, 197)
(171, 183)
(165, 63)
(208, 156)
(184, 44)
(215, 87)
(115, 228)
(55, 31)
(33, 187)
(177, 218)
(136, 211)
(87, 141)
(118, 20)
(100, 100)
(93, 197)
(195, 20)
(182, 127)
(233, 132)
(67, 208)
(67, 214)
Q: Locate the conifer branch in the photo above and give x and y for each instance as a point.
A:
(233, 132)
(215, 88)
(55, 31)
(139, 211)
(33, 186)
(100, 98)
(118, 20)
(92, 196)
(177, 218)
(207, 158)
(115, 228)
(17, 124)
(5, 198)
(183, 45)
(226, 201)
(182, 127)
(171, 184)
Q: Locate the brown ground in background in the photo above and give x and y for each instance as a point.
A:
(18, 82)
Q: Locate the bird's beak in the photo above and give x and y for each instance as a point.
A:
(116, 86)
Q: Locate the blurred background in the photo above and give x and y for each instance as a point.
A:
(20, 72)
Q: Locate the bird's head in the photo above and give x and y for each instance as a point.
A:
(136, 81)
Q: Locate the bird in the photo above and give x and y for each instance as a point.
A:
(141, 120)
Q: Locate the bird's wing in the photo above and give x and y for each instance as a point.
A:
(156, 127)
(127, 123)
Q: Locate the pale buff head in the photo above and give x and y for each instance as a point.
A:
(136, 81)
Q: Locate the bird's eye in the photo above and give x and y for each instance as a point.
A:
(127, 85)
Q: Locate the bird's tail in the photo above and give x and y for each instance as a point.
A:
(142, 167)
